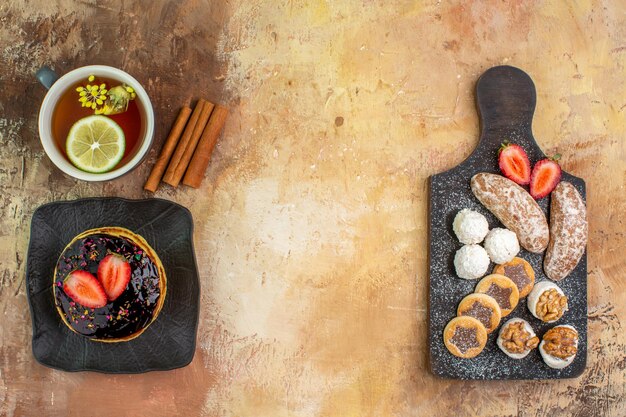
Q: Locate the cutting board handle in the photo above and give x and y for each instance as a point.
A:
(506, 99)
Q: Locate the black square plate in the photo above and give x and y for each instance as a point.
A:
(506, 100)
(170, 341)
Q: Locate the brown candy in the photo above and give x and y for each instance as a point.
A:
(561, 342)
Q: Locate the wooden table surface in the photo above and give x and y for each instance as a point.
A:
(311, 232)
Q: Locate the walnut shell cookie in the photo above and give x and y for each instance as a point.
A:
(502, 289)
(465, 337)
(482, 307)
(547, 302)
(516, 338)
(520, 272)
(559, 346)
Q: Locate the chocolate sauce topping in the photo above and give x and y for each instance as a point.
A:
(464, 338)
(479, 312)
(518, 275)
(501, 294)
(127, 314)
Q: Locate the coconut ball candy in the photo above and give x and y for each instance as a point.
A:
(501, 245)
(471, 262)
(470, 227)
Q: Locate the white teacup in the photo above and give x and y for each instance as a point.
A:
(57, 86)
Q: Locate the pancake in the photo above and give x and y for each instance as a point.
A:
(127, 316)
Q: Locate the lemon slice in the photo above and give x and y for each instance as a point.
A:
(95, 144)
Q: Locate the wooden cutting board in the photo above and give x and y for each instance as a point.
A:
(506, 101)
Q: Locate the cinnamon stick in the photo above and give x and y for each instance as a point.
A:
(193, 141)
(202, 155)
(170, 177)
(168, 149)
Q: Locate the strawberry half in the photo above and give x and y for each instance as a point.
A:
(114, 274)
(545, 176)
(514, 163)
(85, 289)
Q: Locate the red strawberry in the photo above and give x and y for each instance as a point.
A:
(514, 163)
(114, 274)
(545, 176)
(85, 289)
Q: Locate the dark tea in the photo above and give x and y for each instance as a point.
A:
(68, 111)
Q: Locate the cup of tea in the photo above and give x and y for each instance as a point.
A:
(96, 122)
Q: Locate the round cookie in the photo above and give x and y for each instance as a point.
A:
(482, 307)
(547, 302)
(520, 272)
(559, 346)
(502, 289)
(516, 338)
(465, 337)
(470, 227)
(471, 262)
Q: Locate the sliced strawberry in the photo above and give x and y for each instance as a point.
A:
(114, 274)
(545, 176)
(514, 163)
(85, 289)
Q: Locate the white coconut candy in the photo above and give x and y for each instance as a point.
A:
(471, 262)
(501, 245)
(470, 226)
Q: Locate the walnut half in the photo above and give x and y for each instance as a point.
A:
(560, 342)
(551, 305)
(516, 339)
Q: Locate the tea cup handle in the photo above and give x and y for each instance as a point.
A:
(46, 76)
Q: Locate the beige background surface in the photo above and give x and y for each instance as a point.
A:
(311, 224)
